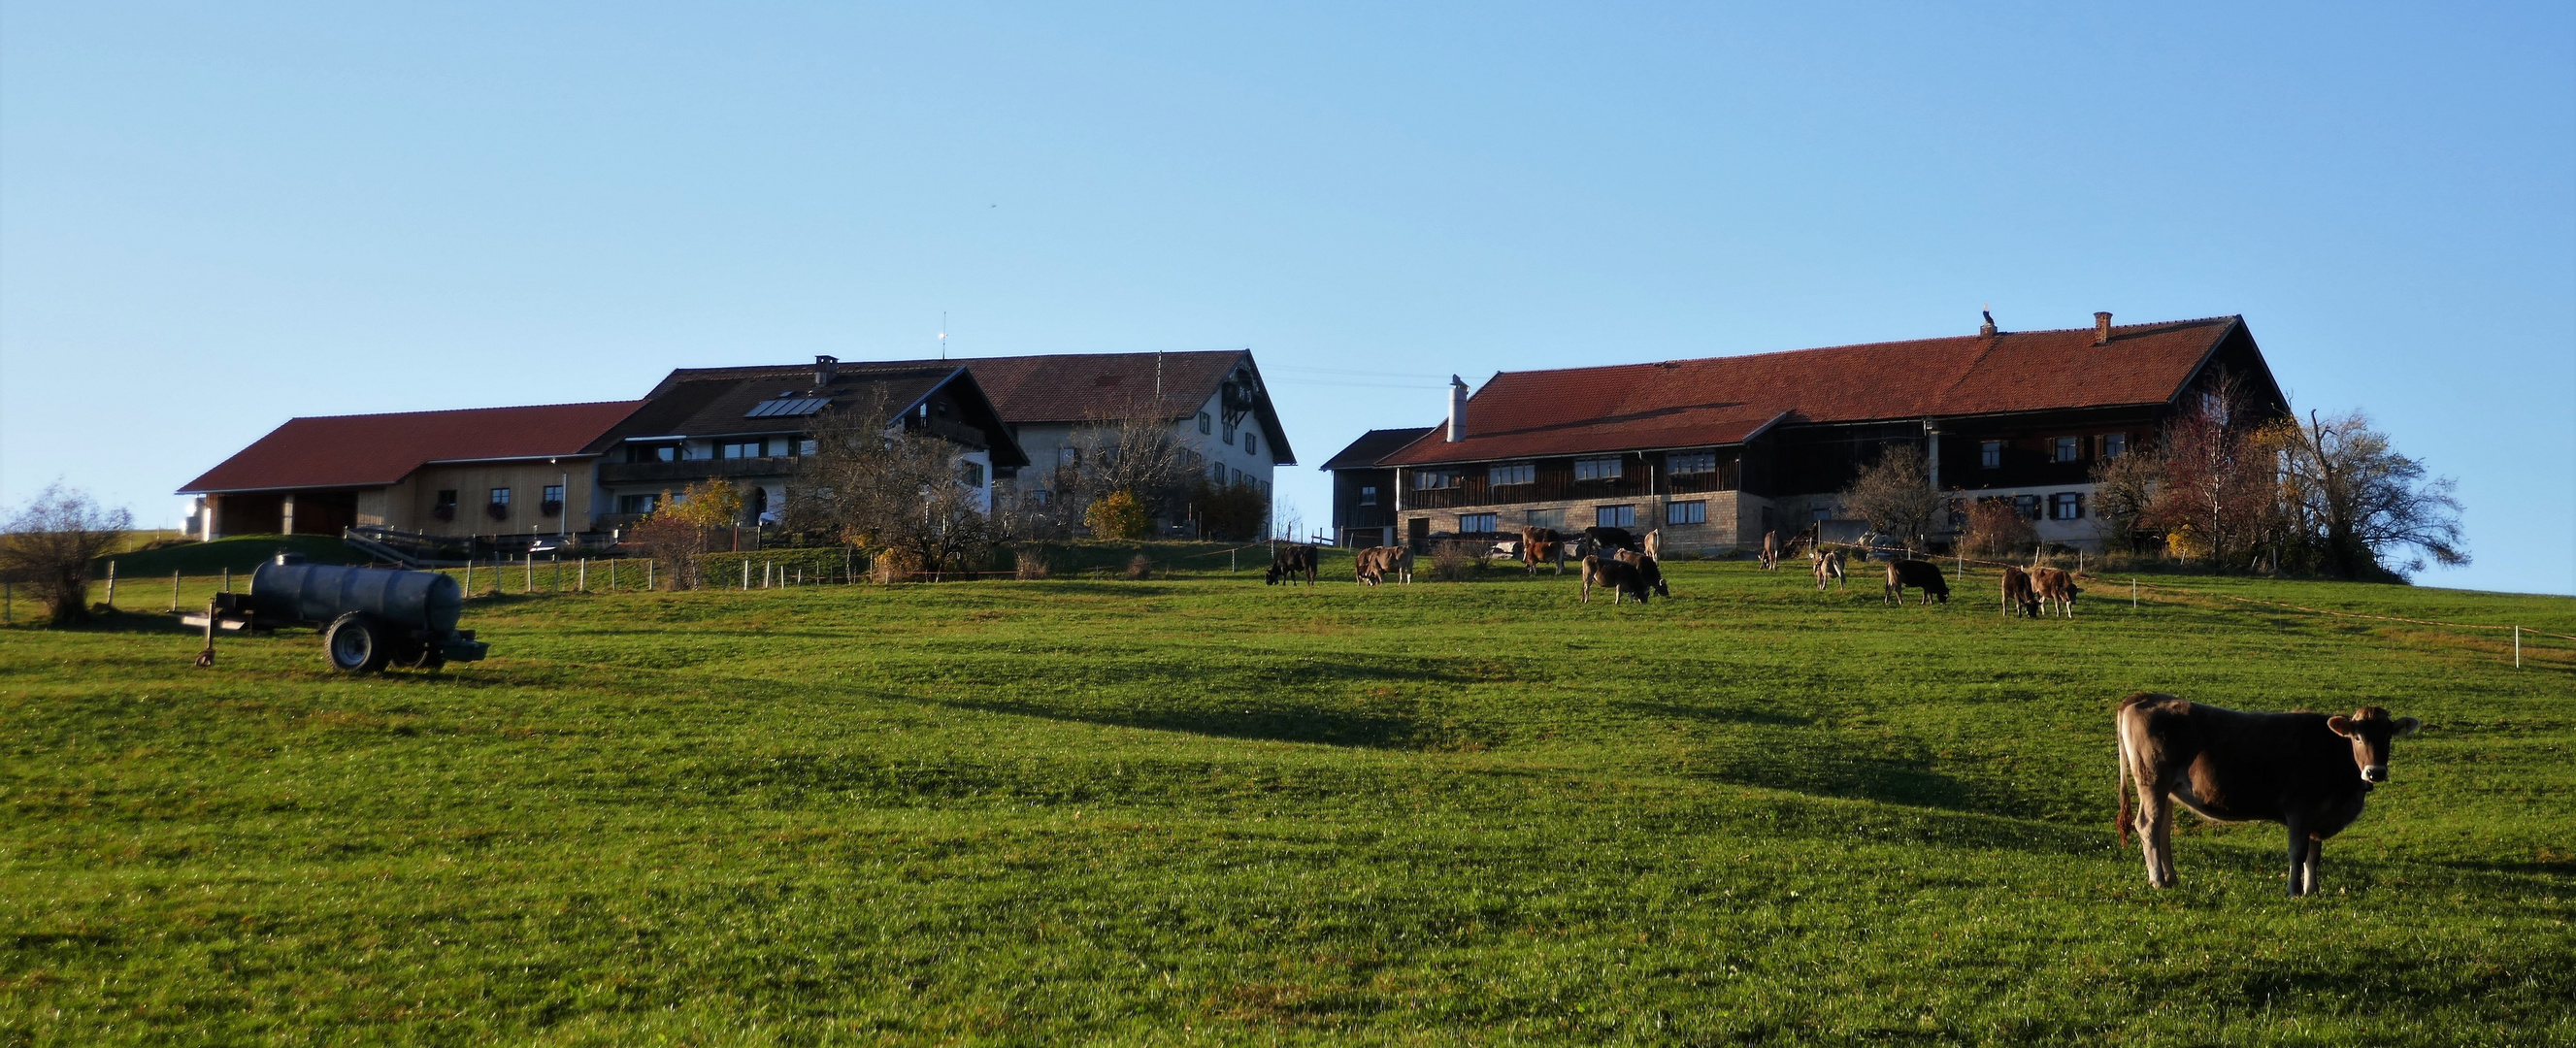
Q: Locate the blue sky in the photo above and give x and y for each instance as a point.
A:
(216, 217)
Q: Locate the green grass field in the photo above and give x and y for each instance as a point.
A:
(1198, 810)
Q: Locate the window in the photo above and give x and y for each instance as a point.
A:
(2027, 506)
(2064, 449)
(1680, 462)
(1990, 454)
(2114, 445)
(1515, 473)
(1207, 424)
(1068, 456)
(2066, 505)
(1038, 497)
(804, 447)
(500, 496)
(1600, 469)
(1251, 446)
(1228, 438)
(1686, 513)
(1368, 494)
(499, 507)
(1216, 474)
(550, 502)
(1476, 523)
(1239, 478)
(652, 453)
(554, 493)
(1434, 478)
(447, 497)
(740, 449)
(1615, 516)
(971, 474)
(638, 504)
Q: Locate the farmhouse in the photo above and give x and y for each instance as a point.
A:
(747, 426)
(1718, 451)
(481, 471)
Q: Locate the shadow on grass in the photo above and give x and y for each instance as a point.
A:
(1831, 765)
(1266, 722)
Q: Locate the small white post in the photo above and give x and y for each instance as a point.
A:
(174, 593)
(528, 581)
(648, 573)
(228, 580)
(2517, 647)
(469, 576)
(581, 576)
(111, 584)
(746, 574)
(2133, 594)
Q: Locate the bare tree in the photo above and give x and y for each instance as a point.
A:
(683, 529)
(2356, 503)
(2215, 497)
(1895, 494)
(50, 542)
(878, 482)
(1135, 450)
(2124, 495)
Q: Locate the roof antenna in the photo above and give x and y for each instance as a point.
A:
(943, 334)
(1158, 376)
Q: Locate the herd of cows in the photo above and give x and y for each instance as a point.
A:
(1629, 565)
(2310, 772)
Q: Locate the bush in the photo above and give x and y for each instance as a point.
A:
(1029, 563)
(1452, 562)
(1118, 516)
(50, 542)
(1140, 568)
(1996, 529)
(893, 566)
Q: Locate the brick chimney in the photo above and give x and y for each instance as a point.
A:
(825, 368)
(1457, 409)
(2101, 329)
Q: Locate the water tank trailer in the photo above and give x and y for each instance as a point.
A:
(370, 618)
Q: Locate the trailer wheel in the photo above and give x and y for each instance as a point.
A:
(355, 644)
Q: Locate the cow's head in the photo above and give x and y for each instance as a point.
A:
(2369, 729)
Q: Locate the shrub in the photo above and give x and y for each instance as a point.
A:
(893, 566)
(1996, 529)
(1452, 562)
(1029, 563)
(1118, 516)
(50, 542)
(1140, 568)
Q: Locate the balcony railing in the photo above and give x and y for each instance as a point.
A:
(688, 470)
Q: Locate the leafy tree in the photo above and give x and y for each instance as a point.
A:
(682, 529)
(1895, 493)
(2355, 503)
(49, 544)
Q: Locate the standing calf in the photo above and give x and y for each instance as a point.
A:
(2018, 592)
(1829, 565)
(1626, 579)
(2308, 771)
(2055, 586)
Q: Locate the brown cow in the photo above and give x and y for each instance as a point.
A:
(1655, 544)
(2055, 586)
(1542, 545)
(1627, 580)
(1289, 561)
(1829, 565)
(1921, 574)
(1374, 564)
(2297, 769)
(1770, 556)
(2017, 592)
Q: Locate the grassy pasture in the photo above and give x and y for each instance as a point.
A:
(1199, 810)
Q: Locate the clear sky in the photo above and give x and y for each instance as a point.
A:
(215, 217)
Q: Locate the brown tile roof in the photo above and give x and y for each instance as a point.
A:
(1726, 400)
(344, 451)
(1071, 387)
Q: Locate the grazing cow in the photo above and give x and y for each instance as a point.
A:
(1625, 579)
(1374, 564)
(1770, 558)
(1288, 562)
(1648, 567)
(1920, 574)
(1829, 565)
(1601, 539)
(2018, 593)
(1655, 543)
(2055, 586)
(2307, 771)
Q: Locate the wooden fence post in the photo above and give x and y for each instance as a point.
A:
(746, 567)
(111, 585)
(581, 577)
(469, 576)
(2133, 594)
(528, 581)
(648, 573)
(174, 593)
(2517, 647)
(228, 580)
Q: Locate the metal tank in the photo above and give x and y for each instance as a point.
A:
(319, 593)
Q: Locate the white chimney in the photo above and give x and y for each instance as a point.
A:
(1457, 409)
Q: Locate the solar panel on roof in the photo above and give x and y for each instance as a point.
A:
(787, 407)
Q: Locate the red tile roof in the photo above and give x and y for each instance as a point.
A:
(1726, 400)
(345, 451)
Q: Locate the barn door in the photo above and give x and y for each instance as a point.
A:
(1417, 534)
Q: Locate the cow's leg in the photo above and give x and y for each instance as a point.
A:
(2316, 858)
(2155, 834)
(2300, 842)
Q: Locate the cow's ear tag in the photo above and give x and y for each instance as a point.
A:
(2340, 725)
(2406, 726)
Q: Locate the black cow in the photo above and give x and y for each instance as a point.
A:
(1288, 562)
(1625, 579)
(1647, 568)
(1600, 540)
(1920, 574)
(2307, 771)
